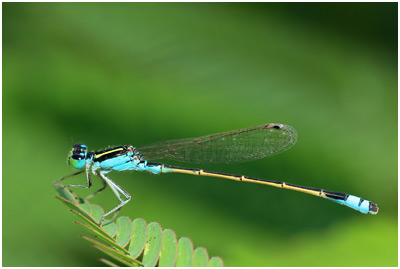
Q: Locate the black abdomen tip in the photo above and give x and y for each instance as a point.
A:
(373, 208)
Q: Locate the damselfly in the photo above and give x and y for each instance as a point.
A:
(228, 147)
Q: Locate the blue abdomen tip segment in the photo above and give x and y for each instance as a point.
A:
(358, 204)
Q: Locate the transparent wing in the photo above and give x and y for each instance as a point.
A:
(228, 147)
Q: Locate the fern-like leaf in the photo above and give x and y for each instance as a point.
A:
(134, 243)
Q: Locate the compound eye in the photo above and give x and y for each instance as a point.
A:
(77, 161)
(77, 157)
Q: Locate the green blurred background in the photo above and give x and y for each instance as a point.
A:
(135, 73)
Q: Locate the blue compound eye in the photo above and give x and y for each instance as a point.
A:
(77, 161)
(78, 156)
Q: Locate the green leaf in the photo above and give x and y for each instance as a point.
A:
(65, 193)
(85, 206)
(121, 256)
(74, 206)
(92, 225)
(185, 253)
(215, 262)
(97, 212)
(113, 254)
(200, 257)
(139, 236)
(157, 245)
(153, 244)
(109, 263)
(110, 227)
(169, 249)
(124, 231)
(106, 239)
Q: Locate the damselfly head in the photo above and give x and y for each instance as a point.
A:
(77, 158)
